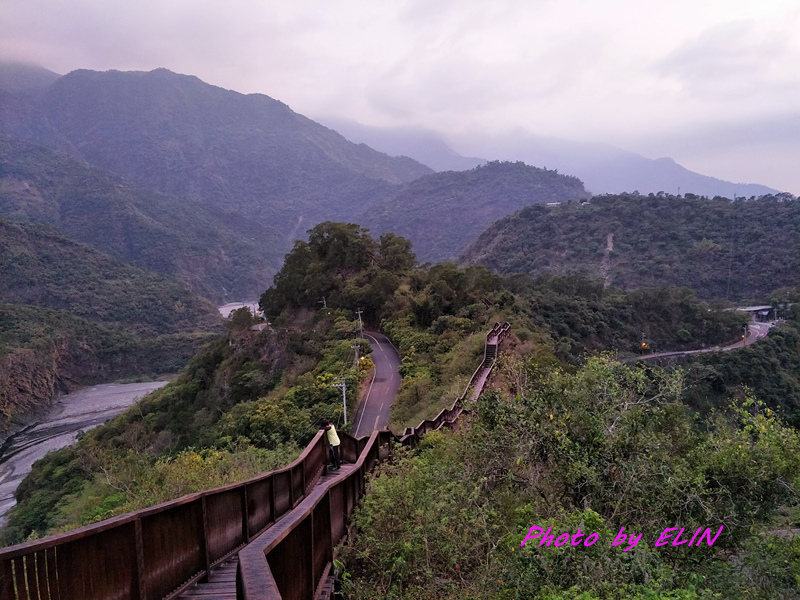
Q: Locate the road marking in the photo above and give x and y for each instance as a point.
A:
(366, 400)
(374, 375)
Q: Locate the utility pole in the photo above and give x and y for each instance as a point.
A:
(356, 347)
(323, 302)
(360, 323)
(342, 386)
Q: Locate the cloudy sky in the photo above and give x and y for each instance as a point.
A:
(715, 84)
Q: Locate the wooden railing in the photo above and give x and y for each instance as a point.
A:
(156, 553)
(292, 560)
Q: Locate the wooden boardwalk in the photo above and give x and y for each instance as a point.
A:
(221, 584)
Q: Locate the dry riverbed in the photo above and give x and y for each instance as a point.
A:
(59, 427)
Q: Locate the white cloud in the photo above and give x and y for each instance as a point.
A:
(624, 71)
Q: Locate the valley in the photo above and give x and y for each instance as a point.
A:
(146, 215)
(60, 426)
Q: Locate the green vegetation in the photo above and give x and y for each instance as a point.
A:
(769, 369)
(582, 316)
(565, 438)
(39, 266)
(721, 249)
(177, 237)
(444, 212)
(437, 315)
(602, 448)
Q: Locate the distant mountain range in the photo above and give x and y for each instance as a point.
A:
(604, 169)
(425, 146)
(248, 161)
(213, 187)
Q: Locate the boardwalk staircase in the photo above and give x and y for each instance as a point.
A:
(268, 538)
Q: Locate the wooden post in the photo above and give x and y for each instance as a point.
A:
(272, 512)
(245, 517)
(139, 544)
(310, 554)
(205, 562)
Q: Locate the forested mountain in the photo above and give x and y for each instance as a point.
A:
(38, 266)
(25, 78)
(442, 213)
(70, 315)
(223, 183)
(737, 250)
(212, 252)
(244, 157)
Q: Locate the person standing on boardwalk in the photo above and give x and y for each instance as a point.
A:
(333, 440)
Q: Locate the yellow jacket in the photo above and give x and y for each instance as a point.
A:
(333, 439)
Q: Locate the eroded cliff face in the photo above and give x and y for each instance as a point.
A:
(29, 379)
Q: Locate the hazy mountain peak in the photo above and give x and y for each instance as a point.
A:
(25, 78)
(602, 167)
(423, 145)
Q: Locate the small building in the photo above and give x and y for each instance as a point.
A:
(760, 313)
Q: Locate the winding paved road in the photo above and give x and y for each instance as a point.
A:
(373, 411)
(755, 331)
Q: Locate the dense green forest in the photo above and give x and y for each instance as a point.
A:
(71, 316)
(41, 267)
(566, 437)
(178, 237)
(738, 250)
(444, 212)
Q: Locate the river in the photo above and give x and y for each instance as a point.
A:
(79, 411)
(226, 310)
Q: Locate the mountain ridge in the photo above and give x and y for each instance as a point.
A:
(602, 167)
(173, 236)
(442, 213)
(740, 250)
